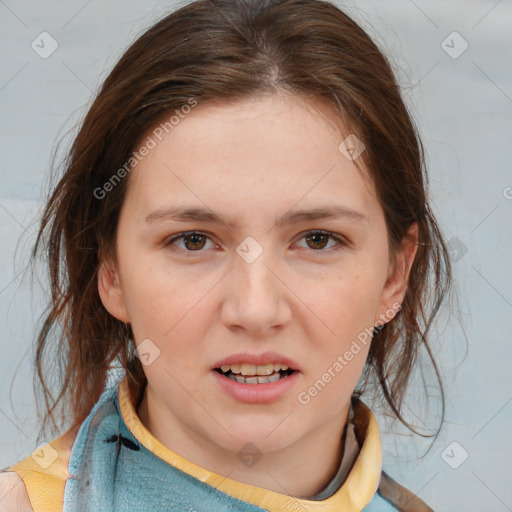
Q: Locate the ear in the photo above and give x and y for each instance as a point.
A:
(111, 293)
(398, 278)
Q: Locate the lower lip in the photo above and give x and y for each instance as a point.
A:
(256, 393)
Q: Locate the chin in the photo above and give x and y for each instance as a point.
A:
(266, 434)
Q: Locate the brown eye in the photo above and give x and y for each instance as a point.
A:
(318, 240)
(191, 242)
(196, 241)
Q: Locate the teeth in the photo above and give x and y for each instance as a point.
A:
(251, 369)
(248, 369)
(272, 378)
(256, 379)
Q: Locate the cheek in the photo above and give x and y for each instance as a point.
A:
(171, 310)
(346, 301)
(152, 291)
(346, 307)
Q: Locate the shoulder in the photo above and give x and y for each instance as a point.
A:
(401, 498)
(37, 482)
(13, 495)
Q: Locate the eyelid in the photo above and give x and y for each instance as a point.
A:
(340, 240)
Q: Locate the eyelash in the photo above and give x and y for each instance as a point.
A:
(340, 241)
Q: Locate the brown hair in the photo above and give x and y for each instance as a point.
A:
(219, 51)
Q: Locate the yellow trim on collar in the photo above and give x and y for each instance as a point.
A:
(353, 496)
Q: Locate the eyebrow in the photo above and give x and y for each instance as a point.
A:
(190, 214)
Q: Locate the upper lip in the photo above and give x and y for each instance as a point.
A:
(257, 359)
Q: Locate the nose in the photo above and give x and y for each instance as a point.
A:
(256, 299)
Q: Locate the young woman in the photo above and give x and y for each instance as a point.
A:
(243, 227)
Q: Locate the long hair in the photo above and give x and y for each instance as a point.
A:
(217, 52)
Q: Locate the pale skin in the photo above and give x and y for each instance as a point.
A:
(252, 162)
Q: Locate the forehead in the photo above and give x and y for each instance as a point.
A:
(256, 155)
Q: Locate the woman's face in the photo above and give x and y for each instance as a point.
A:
(255, 286)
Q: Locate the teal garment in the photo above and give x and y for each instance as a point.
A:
(112, 471)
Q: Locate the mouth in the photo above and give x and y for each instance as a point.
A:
(255, 374)
(257, 378)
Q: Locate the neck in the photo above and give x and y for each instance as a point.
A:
(300, 470)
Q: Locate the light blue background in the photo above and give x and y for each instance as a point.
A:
(463, 107)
